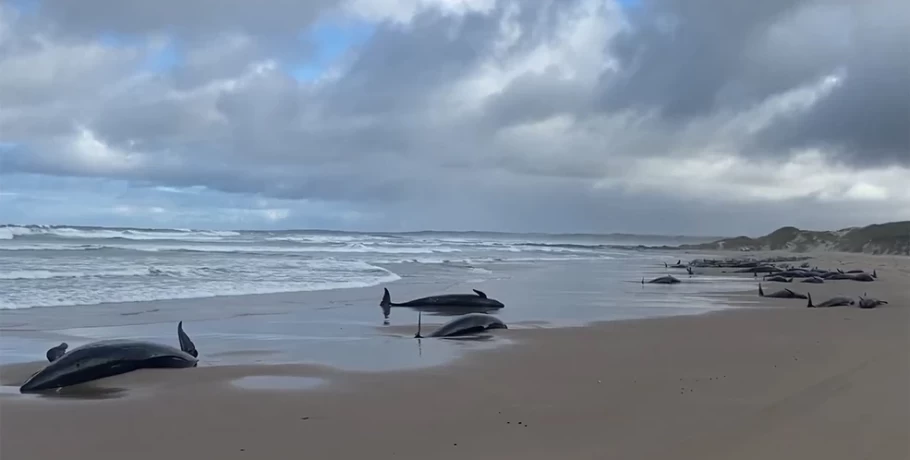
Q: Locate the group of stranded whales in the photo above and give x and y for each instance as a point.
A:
(107, 358)
(777, 270)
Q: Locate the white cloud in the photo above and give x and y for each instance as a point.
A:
(455, 113)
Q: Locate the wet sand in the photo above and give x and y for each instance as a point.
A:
(775, 381)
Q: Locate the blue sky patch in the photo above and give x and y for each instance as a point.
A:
(330, 39)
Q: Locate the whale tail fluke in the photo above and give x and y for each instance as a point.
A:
(874, 274)
(386, 303)
(419, 316)
(186, 345)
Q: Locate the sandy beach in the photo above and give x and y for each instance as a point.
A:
(776, 381)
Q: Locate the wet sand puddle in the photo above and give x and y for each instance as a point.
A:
(278, 382)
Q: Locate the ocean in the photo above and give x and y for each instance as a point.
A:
(42, 266)
(280, 292)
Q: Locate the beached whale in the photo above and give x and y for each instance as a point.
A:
(471, 323)
(477, 302)
(782, 294)
(779, 279)
(678, 264)
(814, 279)
(668, 279)
(832, 302)
(870, 302)
(760, 269)
(107, 358)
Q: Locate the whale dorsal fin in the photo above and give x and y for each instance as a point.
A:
(480, 293)
(419, 316)
(55, 353)
(760, 291)
(186, 345)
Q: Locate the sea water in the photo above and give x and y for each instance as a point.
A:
(312, 296)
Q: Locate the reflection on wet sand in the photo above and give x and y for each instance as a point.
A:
(76, 392)
(434, 310)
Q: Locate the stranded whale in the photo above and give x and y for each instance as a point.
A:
(782, 294)
(107, 358)
(667, 279)
(832, 302)
(471, 323)
(472, 302)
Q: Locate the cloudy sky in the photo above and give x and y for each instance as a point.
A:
(659, 116)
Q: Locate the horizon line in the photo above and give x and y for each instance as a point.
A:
(328, 230)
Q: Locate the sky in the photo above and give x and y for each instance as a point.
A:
(696, 117)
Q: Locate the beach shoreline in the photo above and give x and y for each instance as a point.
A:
(767, 380)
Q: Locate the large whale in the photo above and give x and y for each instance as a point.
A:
(107, 358)
(832, 302)
(782, 294)
(471, 323)
(477, 302)
(667, 279)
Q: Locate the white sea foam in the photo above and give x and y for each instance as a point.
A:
(9, 232)
(49, 266)
(44, 287)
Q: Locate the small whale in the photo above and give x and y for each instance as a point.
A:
(814, 279)
(870, 302)
(862, 277)
(760, 269)
(107, 358)
(779, 279)
(469, 324)
(478, 301)
(782, 294)
(678, 264)
(832, 302)
(667, 279)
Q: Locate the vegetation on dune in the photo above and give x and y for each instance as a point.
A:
(887, 238)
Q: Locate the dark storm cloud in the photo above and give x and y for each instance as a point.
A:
(689, 59)
(398, 68)
(681, 55)
(866, 120)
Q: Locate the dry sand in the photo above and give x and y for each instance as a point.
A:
(776, 382)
